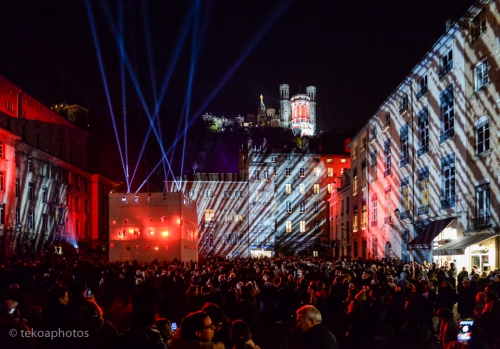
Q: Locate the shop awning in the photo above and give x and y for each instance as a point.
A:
(424, 240)
(459, 245)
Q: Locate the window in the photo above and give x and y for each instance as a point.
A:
(355, 181)
(266, 175)
(316, 226)
(329, 172)
(209, 193)
(342, 207)
(17, 159)
(403, 103)
(363, 143)
(256, 175)
(423, 130)
(405, 194)
(316, 171)
(355, 219)
(238, 194)
(343, 161)
(45, 221)
(44, 195)
(363, 174)
(273, 158)
(387, 153)
(374, 212)
(448, 181)
(302, 189)
(302, 172)
(329, 161)
(77, 203)
(77, 227)
(9, 105)
(482, 205)
(2, 213)
(2, 180)
(31, 219)
(288, 188)
(423, 87)
(446, 64)
(403, 137)
(364, 215)
(209, 215)
(316, 188)
(447, 114)
(226, 194)
(347, 205)
(288, 207)
(482, 126)
(302, 226)
(373, 163)
(18, 187)
(375, 247)
(478, 26)
(287, 171)
(288, 226)
(387, 121)
(329, 188)
(30, 164)
(30, 191)
(192, 193)
(302, 207)
(210, 240)
(1, 149)
(373, 137)
(354, 151)
(86, 208)
(481, 75)
(316, 207)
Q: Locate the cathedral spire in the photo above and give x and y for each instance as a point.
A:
(262, 108)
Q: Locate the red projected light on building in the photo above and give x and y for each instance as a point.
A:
(151, 232)
(165, 233)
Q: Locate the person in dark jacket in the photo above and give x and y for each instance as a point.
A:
(142, 334)
(315, 335)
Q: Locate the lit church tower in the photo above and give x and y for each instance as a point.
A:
(285, 109)
(304, 113)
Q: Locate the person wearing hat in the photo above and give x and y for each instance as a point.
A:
(314, 333)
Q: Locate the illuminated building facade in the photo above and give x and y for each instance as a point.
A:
(223, 212)
(424, 178)
(299, 111)
(148, 226)
(47, 196)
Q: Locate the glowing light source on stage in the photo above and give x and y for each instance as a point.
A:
(151, 232)
(165, 233)
(156, 248)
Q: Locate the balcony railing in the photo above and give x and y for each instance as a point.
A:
(422, 92)
(403, 109)
(443, 137)
(387, 172)
(446, 69)
(373, 139)
(480, 223)
(386, 125)
(448, 202)
(403, 162)
(423, 150)
(405, 214)
(423, 209)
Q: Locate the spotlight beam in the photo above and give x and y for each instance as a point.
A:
(124, 103)
(257, 38)
(104, 80)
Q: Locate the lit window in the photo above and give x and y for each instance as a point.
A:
(446, 64)
(447, 114)
(288, 225)
(209, 215)
(403, 136)
(302, 189)
(226, 194)
(481, 74)
(316, 188)
(405, 194)
(355, 181)
(1, 149)
(329, 160)
(30, 191)
(31, 219)
(209, 193)
(355, 221)
(330, 172)
(2, 180)
(423, 125)
(302, 226)
(374, 212)
(288, 188)
(329, 188)
(448, 180)
(30, 164)
(343, 161)
(354, 151)
(316, 207)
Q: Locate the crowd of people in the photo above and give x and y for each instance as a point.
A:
(226, 303)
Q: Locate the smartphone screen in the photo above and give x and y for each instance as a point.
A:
(89, 293)
(174, 326)
(465, 329)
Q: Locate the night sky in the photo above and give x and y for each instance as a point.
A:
(354, 52)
